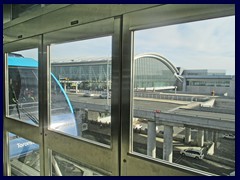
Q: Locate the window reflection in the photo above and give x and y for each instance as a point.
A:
(24, 156)
(23, 86)
(83, 77)
(65, 166)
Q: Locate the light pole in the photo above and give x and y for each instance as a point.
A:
(107, 82)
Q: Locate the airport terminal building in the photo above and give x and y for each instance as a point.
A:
(205, 81)
(152, 72)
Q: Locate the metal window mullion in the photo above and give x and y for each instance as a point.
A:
(126, 113)
(6, 160)
(115, 78)
(44, 98)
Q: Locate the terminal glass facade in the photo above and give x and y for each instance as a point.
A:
(152, 72)
(93, 74)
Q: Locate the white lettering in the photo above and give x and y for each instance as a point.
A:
(20, 145)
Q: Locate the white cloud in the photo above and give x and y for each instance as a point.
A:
(209, 42)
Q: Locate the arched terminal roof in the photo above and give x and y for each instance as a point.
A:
(154, 70)
(160, 58)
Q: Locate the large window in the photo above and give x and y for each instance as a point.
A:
(119, 90)
(23, 85)
(169, 120)
(82, 96)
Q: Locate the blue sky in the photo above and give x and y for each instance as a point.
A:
(208, 44)
(98, 47)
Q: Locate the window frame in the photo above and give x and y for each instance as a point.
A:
(169, 14)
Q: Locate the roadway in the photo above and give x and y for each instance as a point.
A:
(102, 134)
(175, 107)
(203, 164)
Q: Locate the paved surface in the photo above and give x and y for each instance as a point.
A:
(178, 107)
(225, 147)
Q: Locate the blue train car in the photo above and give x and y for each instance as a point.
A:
(23, 103)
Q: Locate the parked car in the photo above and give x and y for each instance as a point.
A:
(88, 94)
(229, 136)
(73, 90)
(137, 126)
(105, 95)
(194, 153)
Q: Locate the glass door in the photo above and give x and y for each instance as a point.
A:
(81, 135)
(22, 123)
(63, 106)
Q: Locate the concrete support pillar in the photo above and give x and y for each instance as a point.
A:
(65, 87)
(167, 143)
(76, 87)
(205, 135)
(200, 137)
(210, 135)
(184, 86)
(151, 139)
(215, 139)
(78, 116)
(188, 135)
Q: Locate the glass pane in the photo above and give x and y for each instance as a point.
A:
(65, 166)
(184, 94)
(23, 85)
(24, 156)
(81, 89)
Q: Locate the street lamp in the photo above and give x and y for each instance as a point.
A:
(107, 82)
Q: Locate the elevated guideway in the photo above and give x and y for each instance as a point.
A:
(170, 113)
(178, 117)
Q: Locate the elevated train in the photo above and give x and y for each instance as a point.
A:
(23, 104)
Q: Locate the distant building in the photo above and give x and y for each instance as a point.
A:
(92, 72)
(151, 72)
(204, 81)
